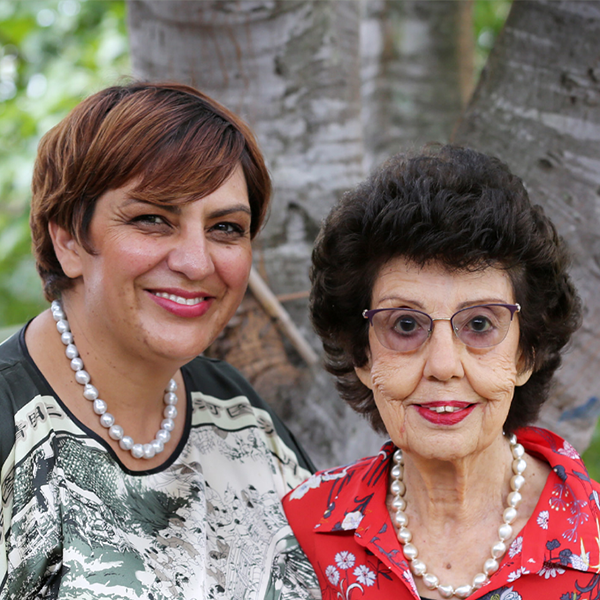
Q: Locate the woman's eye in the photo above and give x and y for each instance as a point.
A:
(406, 324)
(229, 228)
(479, 324)
(150, 219)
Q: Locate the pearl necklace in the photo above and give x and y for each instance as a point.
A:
(491, 565)
(107, 420)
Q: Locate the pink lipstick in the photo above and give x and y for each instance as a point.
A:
(182, 303)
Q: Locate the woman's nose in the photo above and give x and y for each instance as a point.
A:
(191, 256)
(443, 353)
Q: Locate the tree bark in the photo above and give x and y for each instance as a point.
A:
(537, 107)
(292, 70)
(417, 73)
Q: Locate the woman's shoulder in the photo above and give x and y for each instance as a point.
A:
(334, 490)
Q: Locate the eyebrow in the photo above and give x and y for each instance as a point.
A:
(461, 305)
(176, 208)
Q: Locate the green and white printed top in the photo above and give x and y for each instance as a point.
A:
(207, 524)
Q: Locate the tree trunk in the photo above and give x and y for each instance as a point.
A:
(537, 108)
(417, 73)
(291, 69)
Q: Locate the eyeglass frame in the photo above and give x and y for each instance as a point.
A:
(369, 314)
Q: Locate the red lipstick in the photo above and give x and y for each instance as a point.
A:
(459, 411)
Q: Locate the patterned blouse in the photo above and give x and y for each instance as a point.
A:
(206, 525)
(340, 518)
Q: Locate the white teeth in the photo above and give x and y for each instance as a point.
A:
(442, 409)
(179, 299)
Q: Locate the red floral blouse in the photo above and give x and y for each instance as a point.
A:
(340, 519)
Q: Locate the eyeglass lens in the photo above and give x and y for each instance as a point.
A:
(406, 329)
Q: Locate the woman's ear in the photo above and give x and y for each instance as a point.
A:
(364, 374)
(67, 250)
(523, 372)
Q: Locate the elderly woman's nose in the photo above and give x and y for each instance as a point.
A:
(443, 353)
(191, 256)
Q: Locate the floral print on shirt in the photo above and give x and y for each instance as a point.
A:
(342, 523)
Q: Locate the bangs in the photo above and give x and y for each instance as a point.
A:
(190, 164)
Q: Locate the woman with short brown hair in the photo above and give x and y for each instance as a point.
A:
(132, 467)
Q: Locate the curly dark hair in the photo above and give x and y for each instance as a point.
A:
(460, 209)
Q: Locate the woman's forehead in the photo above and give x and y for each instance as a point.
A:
(432, 284)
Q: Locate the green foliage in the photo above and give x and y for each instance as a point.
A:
(52, 54)
(488, 19)
(591, 457)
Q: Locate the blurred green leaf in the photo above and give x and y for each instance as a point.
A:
(52, 54)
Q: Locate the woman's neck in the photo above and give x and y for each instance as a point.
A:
(459, 491)
(132, 389)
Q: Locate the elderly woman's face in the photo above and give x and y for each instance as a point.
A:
(164, 280)
(444, 399)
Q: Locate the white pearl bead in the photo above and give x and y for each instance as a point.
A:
(398, 458)
(509, 514)
(90, 392)
(498, 549)
(170, 398)
(479, 580)
(82, 376)
(137, 451)
(163, 435)
(516, 482)
(66, 338)
(399, 503)
(99, 406)
(149, 451)
(514, 498)
(58, 315)
(158, 446)
(519, 466)
(71, 352)
(418, 567)
(170, 412)
(126, 443)
(431, 581)
(463, 591)
(76, 364)
(401, 519)
(490, 566)
(446, 591)
(410, 551)
(167, 425)
(107, 420)
(398, 488)
(512, 438)
(62, 326)
(116, 432)
(518, 451)
(504, 531)
(404, 536)
(171, 386)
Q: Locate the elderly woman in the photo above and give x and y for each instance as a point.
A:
(443, 302)
(131, 467)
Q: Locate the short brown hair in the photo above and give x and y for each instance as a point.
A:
(178, 143)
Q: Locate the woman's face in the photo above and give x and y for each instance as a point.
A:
(478, 384)
(164, 280)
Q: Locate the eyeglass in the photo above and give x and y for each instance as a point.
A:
(406, 329)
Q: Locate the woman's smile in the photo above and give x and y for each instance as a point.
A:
(181, 303)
